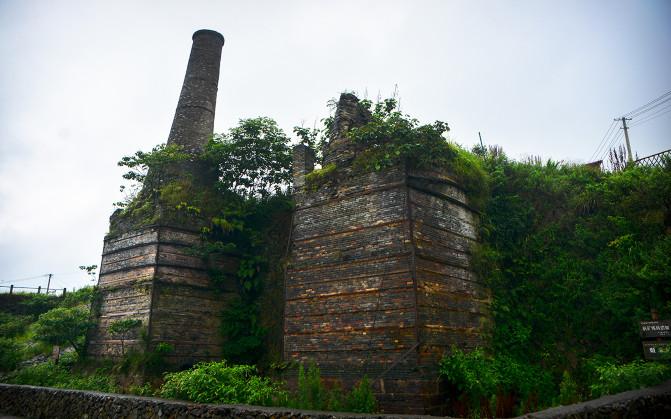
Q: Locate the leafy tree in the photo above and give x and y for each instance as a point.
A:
(90, 271)
(150, 169)
(9, 354)
(253, 159)
(63, 326)
(124, 329)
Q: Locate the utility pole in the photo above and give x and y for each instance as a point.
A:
(49, 283)
(481, 145)
(630, 158)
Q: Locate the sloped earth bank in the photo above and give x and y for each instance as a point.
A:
(42, 402)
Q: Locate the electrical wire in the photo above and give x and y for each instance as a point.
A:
(613, 143)
(656, 105)
(608, 140)
(652, 116)
(644, 108)
(24, 279)
(603, 140)
(611, 137)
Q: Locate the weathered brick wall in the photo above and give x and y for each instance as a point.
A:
(380, 281)
(151, 274)
(125, 285)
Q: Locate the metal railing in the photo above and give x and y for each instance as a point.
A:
(655, 160)
(12, 289)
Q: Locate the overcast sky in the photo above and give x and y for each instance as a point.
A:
(83, 83)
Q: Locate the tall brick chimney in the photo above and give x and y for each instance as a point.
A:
(194, 117)
(148, 271)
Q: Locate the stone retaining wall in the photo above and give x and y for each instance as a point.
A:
(42, 402)
(648, 403)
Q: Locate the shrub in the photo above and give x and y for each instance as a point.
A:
(314, 395)
(311, 392)
(568, 390)
(611, 378)
(48, 374)
(13, 325)
(36, 304)
(9, 354)
(472, 373)
(155, 360)
(82, 296)
(144, 390)
(391, 138)
(319, 177)
(361, 399)
(242, 328)
(218, 382)
(484, 382)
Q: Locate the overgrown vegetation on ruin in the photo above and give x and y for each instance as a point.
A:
(391, 138)
(574, 258)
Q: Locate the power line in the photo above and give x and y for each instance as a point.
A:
(630, 158)
(608, 133)
(615, 141)
(641, 108)
(24, 279)
(610, 138)
(637, 114)
(654, 115)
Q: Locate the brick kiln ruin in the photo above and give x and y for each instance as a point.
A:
(379, 281)
(147, 272)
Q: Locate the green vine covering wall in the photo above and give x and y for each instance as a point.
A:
(574, 258)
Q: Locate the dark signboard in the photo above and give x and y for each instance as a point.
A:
(657, 350)
(656, 329)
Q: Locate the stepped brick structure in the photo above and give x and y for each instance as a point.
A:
(147, 271)
(380, 281)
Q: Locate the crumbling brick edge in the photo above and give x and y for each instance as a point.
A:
(652, 402)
